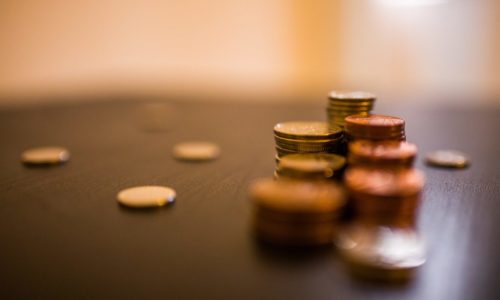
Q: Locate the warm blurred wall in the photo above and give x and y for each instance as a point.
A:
(274, 49)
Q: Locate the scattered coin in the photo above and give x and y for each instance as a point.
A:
(45, 156)
(447, 159)
(196, 151)
(146, 196)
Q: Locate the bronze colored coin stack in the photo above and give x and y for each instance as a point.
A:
(343, 104)
(306, 137)
(382, 154)
(374, 127)
(310, 166)
(296, 213)
(382, 243)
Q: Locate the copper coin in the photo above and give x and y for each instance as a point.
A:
(294, 196)
(384, 182)
(382, 153)
(374, 126)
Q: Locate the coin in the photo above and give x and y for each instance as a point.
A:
(311, 166)
(382, 153)
(380, 252)
(384, 182)
(45, 156)
(378, 127)
(306, 130)
(447, 159)
(351, 96)
(146, 196)
(196, 151)
(294, 196)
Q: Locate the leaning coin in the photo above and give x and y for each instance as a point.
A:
(45, 156)
(196, 151)
(447, 159)
(146, 196)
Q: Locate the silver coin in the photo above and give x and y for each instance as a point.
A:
(45, 156)
(146, 196)
(196, 151)
(447, 159)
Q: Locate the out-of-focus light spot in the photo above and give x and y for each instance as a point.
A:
(410, 2)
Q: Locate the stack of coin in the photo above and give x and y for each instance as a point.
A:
(385, 196)
(311, 166)
(381, 154)
(374, 127)
(343, 104)
(306, 137)
(381, 253)
(296, 213)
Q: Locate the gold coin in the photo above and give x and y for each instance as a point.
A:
(45, 156)
(306, 130)
(351, 96)
(447, 159)
(303, 165)
(196, 151)
(146, 196)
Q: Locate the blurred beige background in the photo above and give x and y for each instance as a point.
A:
(273, 50)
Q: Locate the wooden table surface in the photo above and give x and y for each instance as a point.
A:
(63, 235)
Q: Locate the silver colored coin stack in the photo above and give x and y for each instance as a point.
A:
(343, 104)
(306, 137)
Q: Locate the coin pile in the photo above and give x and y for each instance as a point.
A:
(343, 104)
(306, 137)
(311, 166)
(374, 127)
(296, 213)
(381, 154)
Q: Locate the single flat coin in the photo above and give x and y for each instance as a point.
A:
(45, 156)
(196, 151)
(146, 196)
(447, 159)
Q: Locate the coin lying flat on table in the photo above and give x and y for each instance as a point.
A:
(45, 156)
(196, 151)
(146, 196)
(447, 159)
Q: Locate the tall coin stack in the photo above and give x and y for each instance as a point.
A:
(306, 137)
(343, 104)
(296, 213)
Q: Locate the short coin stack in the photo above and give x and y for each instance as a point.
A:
(296, 213)
(343, 104)
(311, 166)
(383, 154)
(306, 137)
(374, 127)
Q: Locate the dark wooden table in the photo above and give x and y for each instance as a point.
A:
(63, 236)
